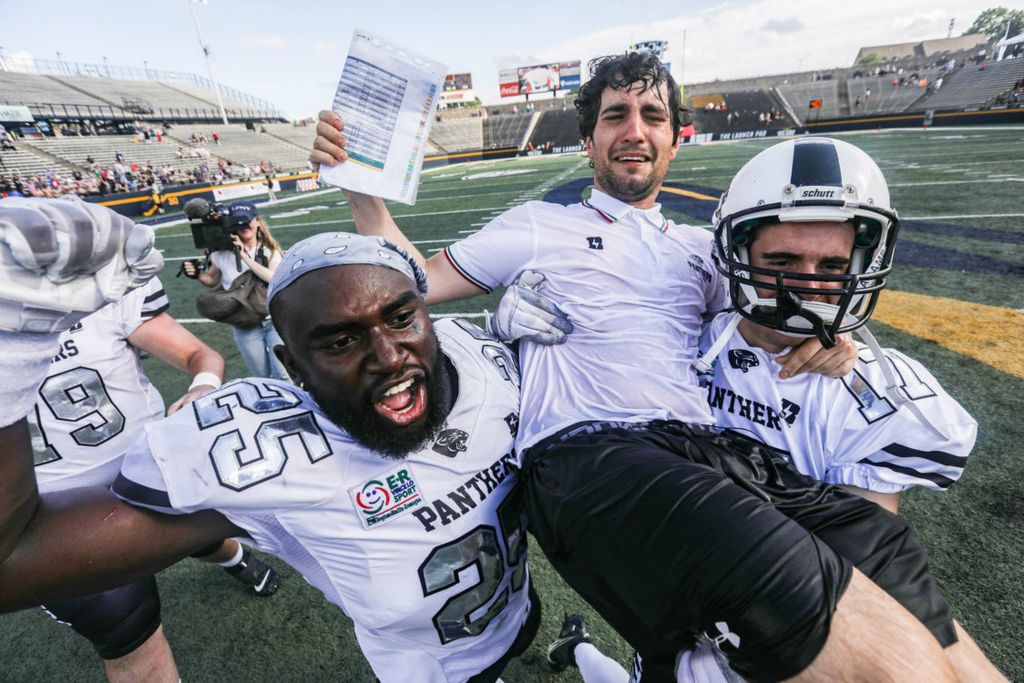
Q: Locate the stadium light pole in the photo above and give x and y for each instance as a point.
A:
(206, 56)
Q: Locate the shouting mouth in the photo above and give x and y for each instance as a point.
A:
(404, 402)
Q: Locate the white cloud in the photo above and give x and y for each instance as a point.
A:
(790, 25)
(777, 36)
(261, 41)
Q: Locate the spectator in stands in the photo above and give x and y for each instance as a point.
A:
(856, 103)
(216, 139)
(260, 253)
(6, 142)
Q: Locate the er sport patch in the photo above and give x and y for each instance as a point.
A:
(386, 497)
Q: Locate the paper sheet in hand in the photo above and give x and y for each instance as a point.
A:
(386, 97)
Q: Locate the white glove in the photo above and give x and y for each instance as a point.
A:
(61, 260)
(525, 313)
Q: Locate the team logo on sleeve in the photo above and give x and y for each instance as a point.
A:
(451, 442)
(383, 498)
(512, 420)
(697, 265)
(789, 411)
(741, 359)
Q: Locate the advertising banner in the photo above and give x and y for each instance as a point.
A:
(239, 190)
(450, 96)
(15, 114)
(457, 82)
(540, 78)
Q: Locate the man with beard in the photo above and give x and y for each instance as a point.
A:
(667, 527)
(384, 476)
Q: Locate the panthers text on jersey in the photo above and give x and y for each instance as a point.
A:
(842, 431)
(426, 554)
(96, 399)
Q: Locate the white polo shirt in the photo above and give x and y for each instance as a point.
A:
(637, 288)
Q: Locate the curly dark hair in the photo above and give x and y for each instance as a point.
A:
(623, 71)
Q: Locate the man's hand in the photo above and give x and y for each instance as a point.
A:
(61, 260)
(189, 396)
(524, 313)
(329, 143)
(811, 356)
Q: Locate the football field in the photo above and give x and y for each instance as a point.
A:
(955, 302)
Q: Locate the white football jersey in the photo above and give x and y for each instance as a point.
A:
(841, 431)
(426, 554)
(96, 399)
(637, 288)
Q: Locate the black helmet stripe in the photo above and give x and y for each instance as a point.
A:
(816, 162)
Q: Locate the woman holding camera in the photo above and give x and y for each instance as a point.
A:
(255, 250)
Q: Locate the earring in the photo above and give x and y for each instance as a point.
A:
(591, 163)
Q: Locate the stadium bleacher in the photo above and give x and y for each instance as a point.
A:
(26, 162)
(974, 85)
(19, 88)
(798, 95)
(242, 146)
(886, 97)
(737, 110)
(103, 148)
(301, 136)
(506, 131)
(556, 128)
(458, 135)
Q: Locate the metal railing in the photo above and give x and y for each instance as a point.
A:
(62, 67)
(54, 110)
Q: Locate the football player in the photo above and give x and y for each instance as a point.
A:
(805, 236)
(636, 500)
(382, 478)
(94, 402)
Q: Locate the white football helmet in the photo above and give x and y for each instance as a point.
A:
(807, 180)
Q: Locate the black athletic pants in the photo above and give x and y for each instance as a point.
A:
(670, 530)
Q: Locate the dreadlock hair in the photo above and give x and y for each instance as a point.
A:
(642, 69)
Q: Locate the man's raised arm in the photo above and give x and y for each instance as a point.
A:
(372, 217)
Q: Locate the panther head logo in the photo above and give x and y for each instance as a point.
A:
(741, 359)
(451, 442)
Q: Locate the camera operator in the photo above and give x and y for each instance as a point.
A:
(256, 250)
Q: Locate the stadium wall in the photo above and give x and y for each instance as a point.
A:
(917, 119)
(462, 157)
(141, 203)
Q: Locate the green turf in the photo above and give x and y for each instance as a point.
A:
(974, 532)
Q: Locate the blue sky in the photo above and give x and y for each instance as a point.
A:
(291, 51)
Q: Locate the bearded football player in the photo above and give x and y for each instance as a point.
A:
(384, 527)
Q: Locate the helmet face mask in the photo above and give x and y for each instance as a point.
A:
(812, 180)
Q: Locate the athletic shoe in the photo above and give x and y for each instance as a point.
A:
(560, 652)
(254, 572)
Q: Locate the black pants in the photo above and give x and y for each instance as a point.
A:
(670, 530)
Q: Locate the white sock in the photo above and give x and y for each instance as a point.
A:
(596, 667)
(235, 559)
(24, 360)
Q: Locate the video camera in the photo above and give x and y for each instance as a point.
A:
(213, 224)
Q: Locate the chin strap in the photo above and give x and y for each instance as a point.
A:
(703, 364)
(893, 389)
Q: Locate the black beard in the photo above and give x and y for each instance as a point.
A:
(379, 434)
(630, 189)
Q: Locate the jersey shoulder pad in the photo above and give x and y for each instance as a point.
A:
(252, 443)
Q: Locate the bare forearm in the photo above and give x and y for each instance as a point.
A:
(19, 497)
(372, 217)
(262, 272)
(87, 540)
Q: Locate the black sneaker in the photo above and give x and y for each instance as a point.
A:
(254, 572)
(560, 652)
